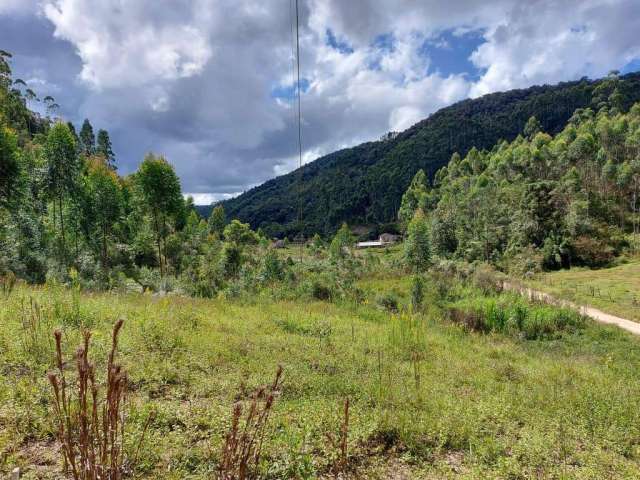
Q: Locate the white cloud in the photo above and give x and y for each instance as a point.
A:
(209, 198)
(121, 44)
(194, 80)
(545, 42)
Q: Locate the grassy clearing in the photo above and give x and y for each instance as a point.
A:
(429, 399)
(615, 290)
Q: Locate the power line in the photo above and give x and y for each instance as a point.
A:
(300, 178)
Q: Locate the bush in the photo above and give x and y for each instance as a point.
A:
(388, 301)
(486, 280)
(272, 267)
(417, 246)
(320, 291)
(417, 292)
(592, 252)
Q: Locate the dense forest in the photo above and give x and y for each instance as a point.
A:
(540, 202)
(364, 185)
(63, 206)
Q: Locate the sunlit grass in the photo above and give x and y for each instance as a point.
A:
(615, 290)
(425, 394)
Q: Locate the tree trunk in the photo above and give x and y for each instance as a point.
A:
(104, 246)
(155, 219)
(64, 243)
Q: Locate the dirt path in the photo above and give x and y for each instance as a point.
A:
(594, 313)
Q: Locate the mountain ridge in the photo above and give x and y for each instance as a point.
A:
(364, 184)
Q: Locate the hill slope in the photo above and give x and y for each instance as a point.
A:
(364, 184)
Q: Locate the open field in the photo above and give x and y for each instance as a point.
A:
(615, 290)
(428, 398)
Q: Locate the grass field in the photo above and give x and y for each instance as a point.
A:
(428, 398)
(614, 290)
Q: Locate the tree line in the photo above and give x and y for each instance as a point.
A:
(540, 201)
(364, 185)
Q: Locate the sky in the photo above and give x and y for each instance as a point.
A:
(209, 83)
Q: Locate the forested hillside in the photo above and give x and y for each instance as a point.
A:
(364, 184)
(539, 202)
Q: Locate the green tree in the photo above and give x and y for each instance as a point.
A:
(532, 127)
(106, 196)
(412, 198)
(104, 148)
(417, 247)
(87, 138)
(9, 164)
(417, 292)
(72, 129)
(162, 194)
(240, 233)
(341, 242)
(62, 169)
(217, 221)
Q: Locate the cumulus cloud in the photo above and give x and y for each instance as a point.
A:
(208, 82)
(125, 44)
(540, 42)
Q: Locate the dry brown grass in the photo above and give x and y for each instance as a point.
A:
(243, 443)
(90, 426)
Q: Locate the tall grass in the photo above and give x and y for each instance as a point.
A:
(512, 315)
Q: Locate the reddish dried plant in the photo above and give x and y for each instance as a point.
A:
(340, 445)
(90, 425)
(243, 443)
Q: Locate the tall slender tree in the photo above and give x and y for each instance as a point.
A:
(417, 247)
(106, 197)
(104, 148)
(9, 165)
(87, 138)
(62, 168)
(161, 189)
(412, 198)
(217, 220)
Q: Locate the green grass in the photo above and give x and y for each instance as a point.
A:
(429, 398)
(615, 290)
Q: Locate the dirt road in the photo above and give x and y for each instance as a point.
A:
(594, 313)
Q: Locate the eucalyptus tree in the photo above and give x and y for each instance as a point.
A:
(104, 148)
(9, 165)
(417, 247)
(162, 194)
(62, 170)
(412, 198)
(105, 193)
(87, 138)
(217, 221)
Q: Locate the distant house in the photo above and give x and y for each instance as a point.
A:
(383, 240)
(389, 238)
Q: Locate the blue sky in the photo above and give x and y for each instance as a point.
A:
(209, 83)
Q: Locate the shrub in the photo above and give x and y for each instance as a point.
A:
(320, 291)
(486, 280)
(388, 301)
(341, 243)
(417, 292)
(272, 267)
(591, 252)
(417, 247)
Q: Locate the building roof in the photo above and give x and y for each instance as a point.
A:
(373, 243)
